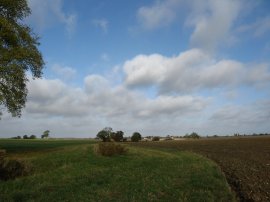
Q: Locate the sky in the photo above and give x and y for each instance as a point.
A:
(159, 67)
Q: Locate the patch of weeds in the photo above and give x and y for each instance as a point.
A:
(109, 149)
(12, 168)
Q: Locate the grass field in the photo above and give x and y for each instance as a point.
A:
(245, 161)
(71, 171)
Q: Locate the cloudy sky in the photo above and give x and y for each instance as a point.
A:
(159, 67)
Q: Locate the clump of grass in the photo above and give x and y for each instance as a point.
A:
(2, 154)
(12, 168)
(109, 149)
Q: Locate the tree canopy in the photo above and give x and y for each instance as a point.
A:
(18, 55)
(136, 137)
(46, 134)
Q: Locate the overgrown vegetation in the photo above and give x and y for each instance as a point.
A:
(12, 168)
(109, 149)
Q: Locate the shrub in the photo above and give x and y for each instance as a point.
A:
(156, 138)
(2, 155)
(10, 169)
(109, 149)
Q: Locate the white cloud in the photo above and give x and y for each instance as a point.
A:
(47, 13)
(102, 24)
(67, 73)
(212, 21)
(259, 28)
(248, 118)
(191, 71)
(160, 14)
(54, 105)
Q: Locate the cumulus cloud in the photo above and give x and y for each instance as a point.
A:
(160, 14)
(49, 12)
(190, 71)
(212, 21)
(64, 72)
(54, 105)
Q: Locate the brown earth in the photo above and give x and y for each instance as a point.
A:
(244, 160)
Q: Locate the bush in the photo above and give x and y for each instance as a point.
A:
(2, 155)
(156, 138)
(109, 149)
(10, 169)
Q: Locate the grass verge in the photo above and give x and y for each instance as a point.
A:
(76, 173)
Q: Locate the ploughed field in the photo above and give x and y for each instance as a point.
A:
(244, 160)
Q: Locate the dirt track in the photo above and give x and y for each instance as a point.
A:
(245, 162)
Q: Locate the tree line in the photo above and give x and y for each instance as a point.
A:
(107, 135)
(45, 134)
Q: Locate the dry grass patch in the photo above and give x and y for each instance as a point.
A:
(109, 149)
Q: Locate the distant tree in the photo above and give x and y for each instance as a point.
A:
(104, 135)
(136, 137)
(18, 55)
(32, 137)
(117, 136)
(25, 137)
(194, 135)
(46, 134)
(19, 137)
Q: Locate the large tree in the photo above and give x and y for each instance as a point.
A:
(18, 55)
(136, 137)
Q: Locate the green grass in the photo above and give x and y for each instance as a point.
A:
(73, 172)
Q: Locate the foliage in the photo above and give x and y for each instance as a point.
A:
(192, 135)
(46, 134)
(104, 136)
(109, 149)
(25, 137)
(18, 55)
(156, 138)
(117, 136)
(32, 137)
(136, 137)
(17, 137)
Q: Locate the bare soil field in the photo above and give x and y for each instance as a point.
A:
(245, 161)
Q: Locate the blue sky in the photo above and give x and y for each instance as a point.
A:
(157, 67)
